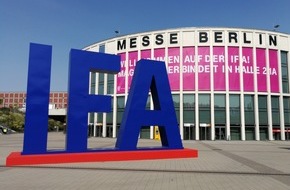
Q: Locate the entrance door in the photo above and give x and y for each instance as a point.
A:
(220, 133)
(91, 130)
(204, 132)
(99, 130)
(276, 134)
(188, 131)
(287, 133)
(109, 131)
(250, 133)
(263, 133)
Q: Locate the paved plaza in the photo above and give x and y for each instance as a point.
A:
(220, 165)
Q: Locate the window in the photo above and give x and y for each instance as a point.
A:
(93, 83)
(101, 83)
(220, 109)
(110, 83)
(286, 102)
(120, 108)
(249, 110)
(109, 118)
(91, 117)
(204, 108)
(188, 108)
(176, 101)
(275, 110)
(263, 114)
(102, 48)
(235, 116)
(284, 68)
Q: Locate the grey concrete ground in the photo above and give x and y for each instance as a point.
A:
(220, 165)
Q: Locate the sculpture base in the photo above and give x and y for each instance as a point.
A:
(16, 159)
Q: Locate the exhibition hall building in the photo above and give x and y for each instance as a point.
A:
(226, 83)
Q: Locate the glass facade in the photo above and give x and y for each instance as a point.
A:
(275, 110)
(176, 101)
(101, 92)
(120, 112)
(263, 117)
(286, 102)
(204, 116)
(145, 130)
(249, 117)
(235, 117)
(276, 117)
(92, 91)
(235, 114)
(189, 116)
(220, 109)
(220, 116)
(120, 108)
(249, 110)
(284, 69)
(189, 108)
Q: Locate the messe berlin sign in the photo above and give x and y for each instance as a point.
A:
(148, 76)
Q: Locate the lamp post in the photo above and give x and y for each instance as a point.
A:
(276, 27)
(117, 33)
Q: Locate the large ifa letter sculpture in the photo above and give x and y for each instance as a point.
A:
(148, 75)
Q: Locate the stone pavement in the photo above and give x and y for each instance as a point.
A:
(220, 165)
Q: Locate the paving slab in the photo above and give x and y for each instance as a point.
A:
(220, 165)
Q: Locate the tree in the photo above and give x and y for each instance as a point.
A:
(15, 120)
(52, 124)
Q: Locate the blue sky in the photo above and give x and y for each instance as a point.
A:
(67, 24)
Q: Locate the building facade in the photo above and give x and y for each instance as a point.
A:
(226, 83)
(57, 100)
